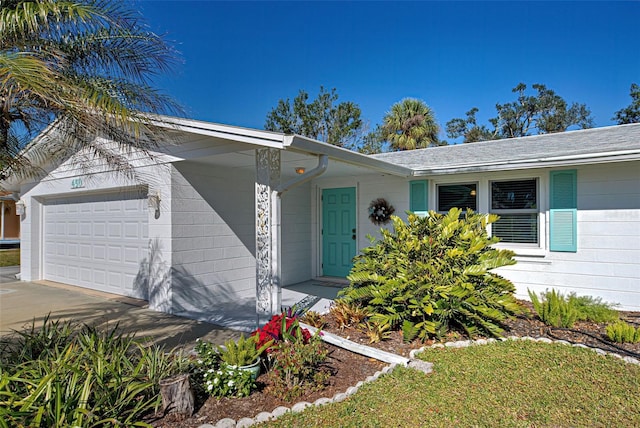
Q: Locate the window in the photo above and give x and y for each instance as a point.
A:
(516, 202)
(461, 196)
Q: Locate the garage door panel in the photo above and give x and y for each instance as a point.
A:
(96, 241)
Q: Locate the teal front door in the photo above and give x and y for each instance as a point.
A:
(338, 231)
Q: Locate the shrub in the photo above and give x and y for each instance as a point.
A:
(556, 310)
(314, 319)
(297, 367)
(348, 313)
(622, 332)
(283, 327)
(553, 309)
(219, 378)
(434, 272)
(64, 376)
(376, 331)
(592, 309)
(242, 352)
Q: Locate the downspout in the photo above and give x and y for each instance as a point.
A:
(276, 242)
(323, 162)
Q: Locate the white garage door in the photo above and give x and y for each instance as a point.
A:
(98, 241)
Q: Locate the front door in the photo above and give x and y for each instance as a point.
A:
(338, 231)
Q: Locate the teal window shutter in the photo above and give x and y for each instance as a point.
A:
(418, 197)
(563, 211)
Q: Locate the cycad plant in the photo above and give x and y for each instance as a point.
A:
(434, 274)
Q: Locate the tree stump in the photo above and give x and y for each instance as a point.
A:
(177, 397)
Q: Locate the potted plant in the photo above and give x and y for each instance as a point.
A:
(243, 354)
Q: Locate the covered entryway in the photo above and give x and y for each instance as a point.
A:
(97, 241)
(338, 231)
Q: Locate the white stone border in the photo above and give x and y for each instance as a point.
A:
(413, 363)
(298, 407)
(467, 343)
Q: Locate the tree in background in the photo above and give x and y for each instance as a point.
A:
(631, 113)
(88, 66)
(542, 113)
(410, 124)
(322, 119)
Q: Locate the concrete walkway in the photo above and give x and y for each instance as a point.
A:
(22, 303)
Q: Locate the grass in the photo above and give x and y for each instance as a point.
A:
(509, 384)
(9, 257)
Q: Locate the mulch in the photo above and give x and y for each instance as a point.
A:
(349, 368)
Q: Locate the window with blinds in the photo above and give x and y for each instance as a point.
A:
(457, 196)
(516, 202)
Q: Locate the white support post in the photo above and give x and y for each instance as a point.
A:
(268, 270)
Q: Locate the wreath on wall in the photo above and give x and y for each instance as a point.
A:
(380, 211)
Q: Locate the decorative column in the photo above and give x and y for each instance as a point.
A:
(268, 271)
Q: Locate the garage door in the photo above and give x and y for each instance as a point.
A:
(97, 241)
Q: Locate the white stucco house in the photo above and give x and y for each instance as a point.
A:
(220, 223)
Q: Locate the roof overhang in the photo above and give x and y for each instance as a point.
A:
(551, 162)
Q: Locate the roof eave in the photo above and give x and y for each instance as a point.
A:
(561, 161)
(308, 145)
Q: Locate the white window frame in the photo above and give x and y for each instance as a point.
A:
(535, 210)
(459, 183)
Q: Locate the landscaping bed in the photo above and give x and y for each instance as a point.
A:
(348, 368)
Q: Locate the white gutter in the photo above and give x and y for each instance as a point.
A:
(628, 155)
(323, 162)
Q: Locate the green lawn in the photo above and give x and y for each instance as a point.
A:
(9, 257)
(510, 384)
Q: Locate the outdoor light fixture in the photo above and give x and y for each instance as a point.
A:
(473, 192)
(300, 170)
(153, 199)
(20, 208)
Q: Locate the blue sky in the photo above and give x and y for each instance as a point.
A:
(240, 58)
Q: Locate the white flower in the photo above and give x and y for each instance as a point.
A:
(216, 381)
(230, 384)
(209, 387)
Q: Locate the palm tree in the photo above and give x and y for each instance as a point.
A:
(410, 125)
(87, 66)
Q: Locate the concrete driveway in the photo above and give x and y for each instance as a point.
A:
(22, 303)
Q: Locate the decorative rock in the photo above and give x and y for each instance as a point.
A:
(206, 426)
(245, 422)
(491, 340)
(481, 342)
(377, 374)
(351, 390)
(562, 342)
(359, 384)
(544, 340)
(341, 396)
(580, 345)
(226, 423)
(279, 411)
(299, 407)
(322, 401)
(631, 360)
(264, 417)
(599, 351)
(451, 344)
(513, 337)
(437, 345)
(369, 379)
(615, 355)
(529, 338)
(387, 369)
(423, 366)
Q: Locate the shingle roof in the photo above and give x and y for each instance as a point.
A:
(622, 140)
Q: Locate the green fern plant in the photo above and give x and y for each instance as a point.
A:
(436, 273)
(622, 332)
(554, 309)
(242, 352)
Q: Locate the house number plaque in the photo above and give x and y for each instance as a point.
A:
(77, 183)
